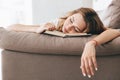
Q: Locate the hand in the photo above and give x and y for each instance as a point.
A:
(40, 29)
(47, 26)
(88, 59)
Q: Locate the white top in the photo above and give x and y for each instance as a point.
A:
(55, 22)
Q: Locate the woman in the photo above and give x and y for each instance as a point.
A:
(82, 20)
(76, 21)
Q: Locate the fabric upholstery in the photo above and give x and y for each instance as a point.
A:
(111, 16)
(46, 44)
(27, 66)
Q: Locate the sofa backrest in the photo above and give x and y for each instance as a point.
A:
(111, 16)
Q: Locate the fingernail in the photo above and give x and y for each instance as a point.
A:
(89, 76)
(96, 69)
(80, 67)
(84, 74)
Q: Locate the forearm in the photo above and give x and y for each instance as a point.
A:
(24, 28)
(88, 58)
(107, 36)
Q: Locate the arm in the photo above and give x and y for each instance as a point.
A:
(23, 28)
(32, 28)
(88, 59)
(47, 26)
(107, 35)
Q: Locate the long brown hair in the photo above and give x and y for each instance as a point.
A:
(93, 23)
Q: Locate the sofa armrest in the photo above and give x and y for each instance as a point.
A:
(46, 44)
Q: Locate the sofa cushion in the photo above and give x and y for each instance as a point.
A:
(46, 44)
(111, 16)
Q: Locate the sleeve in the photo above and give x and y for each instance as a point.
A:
(54, 21)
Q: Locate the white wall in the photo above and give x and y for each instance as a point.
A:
(97, 4)
(11, 12)
(45, 10)
(28, 18)
(15, 11)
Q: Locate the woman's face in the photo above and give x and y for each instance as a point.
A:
(74, 24)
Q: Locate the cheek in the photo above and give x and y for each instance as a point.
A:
(66, 22)
(66, 25)
(69, 29)
(83, 27)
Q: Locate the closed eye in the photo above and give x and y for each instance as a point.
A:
(71, 20)
(77, 29)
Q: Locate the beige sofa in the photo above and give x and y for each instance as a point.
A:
(31, 56)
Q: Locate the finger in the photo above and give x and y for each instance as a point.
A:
(95, 63)
(87, 67)
(53, 28)
(91, 67)
(83, 67)
(50, 29)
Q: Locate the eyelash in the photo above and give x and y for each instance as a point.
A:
(76, 29)
(71, 20)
